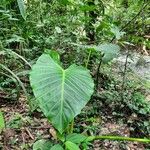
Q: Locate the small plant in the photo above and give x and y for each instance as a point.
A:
(139, 104)
(61, 95)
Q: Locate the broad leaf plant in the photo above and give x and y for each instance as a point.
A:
(61, 95)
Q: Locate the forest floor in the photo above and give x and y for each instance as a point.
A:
(23, 129)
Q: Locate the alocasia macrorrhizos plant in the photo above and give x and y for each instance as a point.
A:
(61, 95)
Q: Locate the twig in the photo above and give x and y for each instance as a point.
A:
(23, 138)
(39, 128)
(29, 133)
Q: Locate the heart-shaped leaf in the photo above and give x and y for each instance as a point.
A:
(61, 93)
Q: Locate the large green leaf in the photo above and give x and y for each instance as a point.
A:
(61, 93)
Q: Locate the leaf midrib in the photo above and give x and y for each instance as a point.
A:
(62, 94)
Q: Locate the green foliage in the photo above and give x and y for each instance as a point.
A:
(93, 23)
(14, 76)
(42, 145)
(118, 34)
(139, 104)
(133, 100)
(16, 122)
(110, 51)
(61, 93)
(53, 54)
(63, 97)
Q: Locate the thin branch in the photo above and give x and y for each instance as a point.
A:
(124, 75)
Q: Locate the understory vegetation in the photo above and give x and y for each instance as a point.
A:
(74, 75)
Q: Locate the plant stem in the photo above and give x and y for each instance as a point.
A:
(87, 62)
(119, 138)
(98, 70)
(71, 126)
(124, 76)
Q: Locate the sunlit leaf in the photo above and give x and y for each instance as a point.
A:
(61, 93)
(58, 29)
(118, 34)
